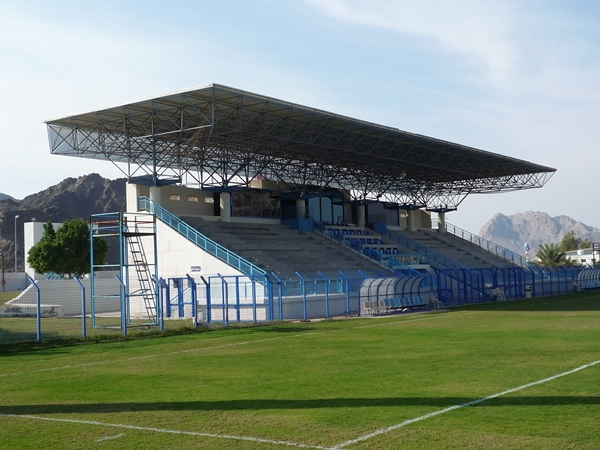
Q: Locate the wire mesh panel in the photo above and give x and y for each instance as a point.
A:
(18, 321)
(61, 310)
(236, 299)
(310, 298)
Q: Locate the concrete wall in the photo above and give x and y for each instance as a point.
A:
(177, 256)
(422, 219)
(179, 200)
(14, 282)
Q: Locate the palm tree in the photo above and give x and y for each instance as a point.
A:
(550, 255)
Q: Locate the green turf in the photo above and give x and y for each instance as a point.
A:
(323, 384)
(8, 296)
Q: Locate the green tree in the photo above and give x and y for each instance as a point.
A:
(551, 255)
(569, 242)
(586, 243)
(66, 250)
(42, 254)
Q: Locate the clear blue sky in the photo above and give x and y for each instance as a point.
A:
(511, 77)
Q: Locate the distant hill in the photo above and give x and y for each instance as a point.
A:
(7, 197)
(72, 198)
(535, 228)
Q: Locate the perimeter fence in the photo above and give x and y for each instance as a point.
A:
(52, 309)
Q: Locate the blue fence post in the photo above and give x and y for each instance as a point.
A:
(162, 287)
(38, 309)
(303, 286)
(167, 287)
(279, 296)
(192, 285)
(347, 289)
(123, 306)
(207, 287)
(237, 299)
(83, 314)
(326, 294)
(253, 285)
(225, 296)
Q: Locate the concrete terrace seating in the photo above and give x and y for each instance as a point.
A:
(276, 248)
(457, 249)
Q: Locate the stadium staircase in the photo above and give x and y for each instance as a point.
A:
(279, 249)
(458, 250)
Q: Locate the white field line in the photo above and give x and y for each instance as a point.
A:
(462, 405)
(108, 438)
(165, 430)
(235, 344)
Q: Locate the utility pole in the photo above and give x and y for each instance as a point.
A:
(16, 245)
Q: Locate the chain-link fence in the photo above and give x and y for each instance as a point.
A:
(68, 308)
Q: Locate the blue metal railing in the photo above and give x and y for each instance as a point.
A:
(487, 245)
(206, 244)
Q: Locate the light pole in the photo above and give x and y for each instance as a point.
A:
(16, 245)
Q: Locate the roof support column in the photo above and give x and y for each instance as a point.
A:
(411, 220)
(225, 207)
(401, 220)
(155, 194)
(441, 222)
(360, 216)
(301, 209)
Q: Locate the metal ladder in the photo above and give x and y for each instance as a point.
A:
(143, 274)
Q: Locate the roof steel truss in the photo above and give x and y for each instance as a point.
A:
(221, 137)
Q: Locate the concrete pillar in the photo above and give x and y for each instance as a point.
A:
(401, 225)
(360, 216)
(301, 208)
(155, 194)
(411, 220)
(225, 207)
(441, 222)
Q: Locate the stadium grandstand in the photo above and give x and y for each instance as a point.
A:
(244, 185)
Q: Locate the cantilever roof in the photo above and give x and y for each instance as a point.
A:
(220, 136)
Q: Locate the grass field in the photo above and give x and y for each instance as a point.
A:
(7, 296)
(522, 374)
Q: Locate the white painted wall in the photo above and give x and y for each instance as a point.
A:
(177, 256)
(179, 200)
(33, 232)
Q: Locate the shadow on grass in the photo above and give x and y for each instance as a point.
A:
(266, 404)
(585, 301)
(290, 329)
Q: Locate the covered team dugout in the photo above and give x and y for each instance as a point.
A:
(221, 139)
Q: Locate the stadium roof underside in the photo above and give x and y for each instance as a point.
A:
(221, 138)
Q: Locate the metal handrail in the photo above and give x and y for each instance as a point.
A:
(205, 243)
(487, 245)
(420, 249)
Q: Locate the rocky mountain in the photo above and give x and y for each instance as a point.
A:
(535, 228)
(72, 198)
